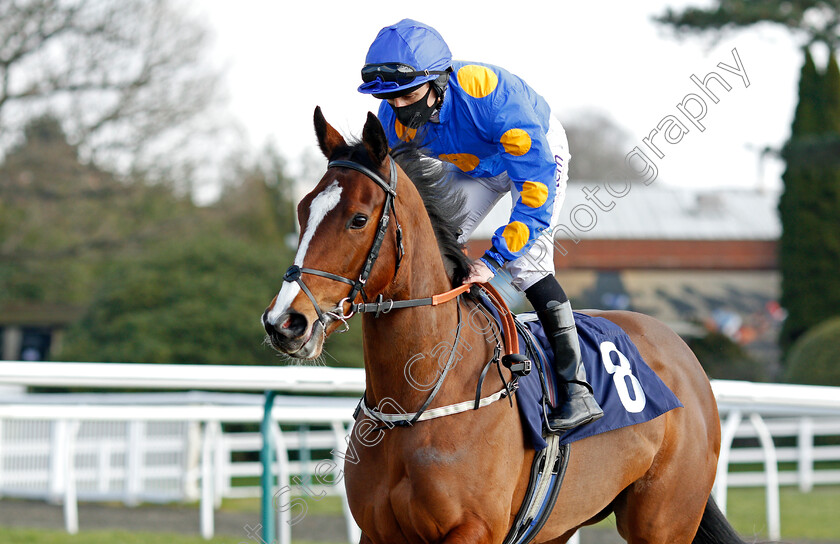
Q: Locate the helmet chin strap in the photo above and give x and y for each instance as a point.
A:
(439, 85)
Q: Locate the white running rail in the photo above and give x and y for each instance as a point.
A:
(761, 411)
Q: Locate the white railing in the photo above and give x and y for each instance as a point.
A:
(801, 456)
(763, 411)
(332, 412)
(63, 478)
(754, 410)
(305, 442)
(289, 379)
(132, 461)
(163, 456)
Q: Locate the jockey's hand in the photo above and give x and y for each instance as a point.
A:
(479, 272)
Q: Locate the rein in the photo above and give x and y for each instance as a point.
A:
(384, 306)
(518, 364)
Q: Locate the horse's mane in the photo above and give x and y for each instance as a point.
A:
(444, 206)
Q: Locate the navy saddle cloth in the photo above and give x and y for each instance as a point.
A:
(624, 385)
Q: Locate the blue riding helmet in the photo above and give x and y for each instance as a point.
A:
(403, 56)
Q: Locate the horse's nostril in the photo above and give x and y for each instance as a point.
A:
(292, 325)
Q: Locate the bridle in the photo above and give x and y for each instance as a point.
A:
(294, 273)
(518, 364)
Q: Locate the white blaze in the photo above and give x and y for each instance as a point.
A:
(320, 207)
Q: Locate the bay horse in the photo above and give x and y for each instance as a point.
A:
(460, 479)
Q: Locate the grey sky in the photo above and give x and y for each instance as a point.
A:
(283, 59)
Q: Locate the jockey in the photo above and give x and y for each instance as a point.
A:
(499, 136)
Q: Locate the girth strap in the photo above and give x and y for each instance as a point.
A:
(547, 473)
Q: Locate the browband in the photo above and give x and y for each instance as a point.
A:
(388, 187)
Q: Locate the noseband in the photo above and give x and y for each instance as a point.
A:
(293, 274)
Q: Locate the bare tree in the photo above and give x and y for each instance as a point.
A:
(125, 77)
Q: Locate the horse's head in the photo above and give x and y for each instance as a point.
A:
(339, 241)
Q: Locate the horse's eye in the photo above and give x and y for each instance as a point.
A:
(359, 221)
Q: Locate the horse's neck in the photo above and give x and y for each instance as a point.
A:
(406, 350)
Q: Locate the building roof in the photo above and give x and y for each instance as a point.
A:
(38, 314)
(658, 212)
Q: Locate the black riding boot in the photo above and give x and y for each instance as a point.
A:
(578, 405)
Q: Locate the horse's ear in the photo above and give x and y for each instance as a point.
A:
(328, 137)
(373, 136)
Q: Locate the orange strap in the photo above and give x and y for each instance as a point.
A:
(449, 295)
(508, 326)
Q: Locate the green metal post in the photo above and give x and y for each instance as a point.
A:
(267, 457)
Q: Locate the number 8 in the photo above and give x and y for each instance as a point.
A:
(637, 403)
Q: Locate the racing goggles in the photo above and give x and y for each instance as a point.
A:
(392, 76)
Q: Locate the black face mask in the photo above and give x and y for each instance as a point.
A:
(415, 115)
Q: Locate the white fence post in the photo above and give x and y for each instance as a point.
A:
(207, 480)
(771, 469)
(284, 515)
(192, 461)
(727, 436)
(134, 462)
(805, 463)
(220, 464)
(71, 504)
(58, 464)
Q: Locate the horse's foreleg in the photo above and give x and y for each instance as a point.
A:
(474, 531)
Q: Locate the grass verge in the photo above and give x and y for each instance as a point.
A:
(804, 516)
(811, 515)
(44, 536)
